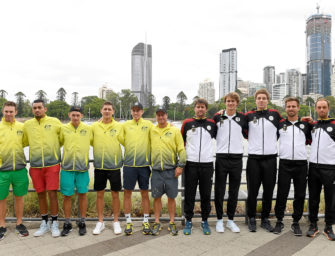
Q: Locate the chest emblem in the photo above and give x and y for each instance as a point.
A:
(209, 127)
(329, 129)
(83, 132)
(19, 132)
(47, 127)
(237, 119)
(285, 127)
(255, 120)
(271, 118)
(302, 126)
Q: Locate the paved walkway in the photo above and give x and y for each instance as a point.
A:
(244, 243)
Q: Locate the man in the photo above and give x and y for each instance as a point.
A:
(168, 159)
(322, 170)
(262, 161)
(231, 128)
(12, 167)
(42, 135)
(136, 165)
(294, 134)
(198, 133)
(107, 136)
(76, 138)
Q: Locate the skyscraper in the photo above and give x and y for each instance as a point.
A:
(141, 72)
(294, 80)
(318, 43)
(269, 77)
(228, 71)
(206, 90)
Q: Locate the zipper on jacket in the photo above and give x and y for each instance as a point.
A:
(293, 144)
(263, 133)
(229, 136)
(200, 143)
(317, 151)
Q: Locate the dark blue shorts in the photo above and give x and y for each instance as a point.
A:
(133, 174)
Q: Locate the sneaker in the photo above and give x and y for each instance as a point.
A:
(54, 229)
(98, 228)
(82, 228)
(3, 232)
(173, 229)
(129, 229)
(205, 228)
(278, 228)
(146, 229)
(117, 228)
(44, 228)
(312, 230)
(188, 228)
(156, 228)
(252, 225)
(67, 228)
(219, 226)
(22, 230)
(295, 227)
(232, 226)
(266, 225)
(328, 232)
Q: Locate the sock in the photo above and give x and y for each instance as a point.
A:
(128, 218)
(67, 220)
(145, 218)
(54, 218)
(230, 221)
(82, 219)
(45, 217)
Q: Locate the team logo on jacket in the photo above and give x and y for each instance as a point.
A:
(19, 132)
(83, 132)
(193, 128)
(221, 120)
(168, 134)
(302, 126)
(112, 132)
(271, 118)
(237, 119)
(329, 129)
(47, 127)
(209, 127)
(255, 120)
(285, 127)
(144, 128)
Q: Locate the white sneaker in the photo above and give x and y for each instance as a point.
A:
(219, 226)
(232, 226)
(44, 228)
(98, 228)
(54, 229)
(117, 228)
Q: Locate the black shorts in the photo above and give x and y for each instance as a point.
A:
(101, 176)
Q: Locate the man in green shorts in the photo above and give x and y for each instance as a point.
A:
(76, 138)
(12, 167)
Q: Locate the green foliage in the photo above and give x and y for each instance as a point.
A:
(3, 94)
(41, 95)
(61, 94)
(59, 109)
(20, 103)
(166, 102)
(92, 109)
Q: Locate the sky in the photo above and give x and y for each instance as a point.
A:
(82, 44)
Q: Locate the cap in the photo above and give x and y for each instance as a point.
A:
(77, 109)
(137, 105)
(161, 110)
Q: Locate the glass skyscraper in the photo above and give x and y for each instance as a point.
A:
(318, 43)
(228, 72)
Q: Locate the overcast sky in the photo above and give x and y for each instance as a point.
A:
(80, 45)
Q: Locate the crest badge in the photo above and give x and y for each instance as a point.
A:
(302, 126)
(329, 129)
(271, 118)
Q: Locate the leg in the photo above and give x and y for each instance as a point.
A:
(129, 181)
(145, 201)
(127, 201)
(269, 171)
(42, 201)
(328, 179)
(157, 208)
(220, 185)
(53, 202)
(205, 187)
(100, 204)
(20, 185)
(143, 183)
(116, 205)
(83, 204)
(3, 208)
(299, 182)
(191, 183)
(234, 186)
(314, 187)
(253, 183)
(67, 206)
(172, 208)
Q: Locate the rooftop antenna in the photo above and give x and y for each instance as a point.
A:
(317, 7)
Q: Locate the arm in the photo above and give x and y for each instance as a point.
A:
(181, 154)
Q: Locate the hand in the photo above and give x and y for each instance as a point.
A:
(220, 112)
(308, 119)
(178, 171)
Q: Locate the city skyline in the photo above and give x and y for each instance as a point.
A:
(80, 45)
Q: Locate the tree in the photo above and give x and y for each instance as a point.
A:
(75, 99)
(195, 98)
(3, 94)
(115, 99)
(127, 99)
(151, 106)
(61, 94)
(41, 95)
(92, 109)
(59, 109)
(181, 99)
(166, 102)
(2, 101)
(20, 103)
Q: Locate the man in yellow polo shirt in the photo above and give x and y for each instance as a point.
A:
(12, 167)
(76, 138)
(41, 133)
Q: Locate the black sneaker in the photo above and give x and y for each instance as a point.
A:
(3, 232)
(278, 228)
(295, 227)
(252, 225)
(266, 225)
(22, 230)
(67, 228)
(82, 228)
(312, 230)
(328, 232)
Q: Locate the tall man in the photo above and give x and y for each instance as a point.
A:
(136, 165)
(76, 138)
(294, 134)
(42, 135)
(168, 159)
(231, 128)
(198, 133)
(107, 137)
(322, 170)
(12, 167)
(262, 161)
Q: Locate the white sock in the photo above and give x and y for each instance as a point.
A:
(128, 218)
(145, 218)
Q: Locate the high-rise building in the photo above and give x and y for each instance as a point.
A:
(253, 87)
(279, 92)
(243, 86)
(318, 43)
(141, 72)
(294, 81)
(333, 81)
(228, 71)
(269, 77)
(304, 83)
(104, 90)
(280, 78)
(206, 90)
